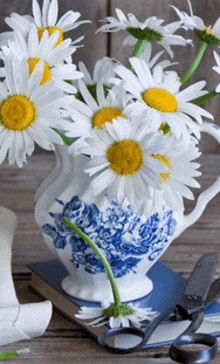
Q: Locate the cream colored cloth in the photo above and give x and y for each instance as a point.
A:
(17, 322)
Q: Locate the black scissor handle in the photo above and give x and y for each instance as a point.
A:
(111, 333)
(144, 335)
(180, 355)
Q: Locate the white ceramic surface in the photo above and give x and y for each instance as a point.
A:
(131, 243)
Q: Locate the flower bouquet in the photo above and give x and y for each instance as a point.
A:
(126, 140)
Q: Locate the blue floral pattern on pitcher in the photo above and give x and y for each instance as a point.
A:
(121, 234)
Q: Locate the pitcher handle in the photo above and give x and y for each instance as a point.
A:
(209, 193)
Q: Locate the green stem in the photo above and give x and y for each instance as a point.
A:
(195, 64)
(103, 259)
(201, 100)
(13, 354)
(138, 50)
(67, 141)
(139, 47)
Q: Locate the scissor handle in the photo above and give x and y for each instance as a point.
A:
(189, 336)
(143, 334)
(180, 355)
(111, 333)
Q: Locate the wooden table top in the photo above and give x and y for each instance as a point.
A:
(63, 341)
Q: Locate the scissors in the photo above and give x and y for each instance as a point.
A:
(198, 294)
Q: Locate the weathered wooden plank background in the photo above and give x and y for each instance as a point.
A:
(98, 45)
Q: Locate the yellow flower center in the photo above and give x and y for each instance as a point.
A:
(46, 76)
(160, 99)
(17, 112)
(165, 161)
(208, 30)
(51, 30)
(106, 115)
(125, 157)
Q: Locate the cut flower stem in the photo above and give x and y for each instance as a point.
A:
(118, 308)
(201, 100)
(139, 47)
(195, 64)
(138, 50)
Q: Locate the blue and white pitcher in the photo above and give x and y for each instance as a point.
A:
(131, 243)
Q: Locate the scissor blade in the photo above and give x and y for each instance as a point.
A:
(214, 293)
(198, 285)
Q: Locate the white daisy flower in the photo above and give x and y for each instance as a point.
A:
(146, 56)
(178, 157)
(208, 34)
(122, 163)
(29, 112)
(103, 70)
(91, 114)
(217, 69)
(140, 314)
(159, 94)
(35, 50)
(151, 30)
(45, 19)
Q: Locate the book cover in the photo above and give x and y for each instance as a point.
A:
(46, 280)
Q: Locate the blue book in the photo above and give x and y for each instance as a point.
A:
(46, 280)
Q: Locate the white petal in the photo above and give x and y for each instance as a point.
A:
(143, 72)
(53, 13)
(192, 92)
(68, 18)
(68, 72)
(18, 22)
(5, 143)
(115, 322)
(216, 27)
(40, 139)
(65, 86)
(3, 90)
(80, 106)
(102, 181)
(127, 75)
(100, 93)
(196, 112)
(87, 78)
(96, 165)
(37, 13)
(87, 96)
(45, 11)
(28, 142)
(35, 79)
(16, 151)
(89, 312)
